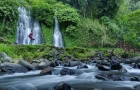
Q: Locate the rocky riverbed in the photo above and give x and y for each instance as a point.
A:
(99, 73)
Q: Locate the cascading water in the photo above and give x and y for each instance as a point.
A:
(57, 36)
(25, 24)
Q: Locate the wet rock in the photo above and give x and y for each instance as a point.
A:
(109, 77)
(135, 65)
(73, 63)
(137, 87)
(82, 66)
(35, 63)
(134, 79)
(42, 64)
(102, 77)
(135, 59)
(54, 64)
(103, 67)
(12, 68)
(115, 64)
(66, 71)
(61, 63)
(127, 61)
(5, 57)
(41, 67)
(100, 55)
(27, 65)
(66, 64)
(46, 71)
(62, 86)
(0, 63)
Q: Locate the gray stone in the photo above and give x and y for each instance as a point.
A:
(47, 70)
(27, 65)
(135, 59)
(43, 64)
(12, 67)
(73, 63)
(5, 57)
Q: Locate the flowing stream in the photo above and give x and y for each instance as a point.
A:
(83, 79)
(25, 24)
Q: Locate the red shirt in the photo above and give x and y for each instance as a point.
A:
(31, 35)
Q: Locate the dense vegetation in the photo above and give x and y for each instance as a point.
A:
(84, 23)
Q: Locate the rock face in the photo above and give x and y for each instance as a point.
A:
(12, 68)
(62, 86)
(66, 71)
(5, 57)
(47, 70)
(27, 65)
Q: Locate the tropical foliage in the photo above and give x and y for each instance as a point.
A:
(84, 23)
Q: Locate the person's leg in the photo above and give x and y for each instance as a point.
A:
(31, 41)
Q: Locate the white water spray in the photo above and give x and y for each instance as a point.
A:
(25, 24)
(57, 36)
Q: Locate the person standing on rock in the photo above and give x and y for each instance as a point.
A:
(31, 37)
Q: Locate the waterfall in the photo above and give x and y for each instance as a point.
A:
(57, 36)
(25, 24)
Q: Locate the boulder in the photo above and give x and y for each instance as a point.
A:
(115, 64)
(54, 64)
(66, 64)
(42, 64)
(73, 63)
(66, 71)
(134, 79)
(127, 61)
(108, 77)
(27, 65)
(5, 57)
(12, 68)
(62, 86)
(103, 67)
(135, 59)
(137, 87)
(47, 71)
(135, 65)
(82, 66)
